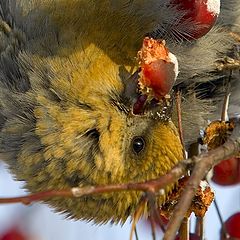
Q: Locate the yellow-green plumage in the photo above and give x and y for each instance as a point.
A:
(73, 125)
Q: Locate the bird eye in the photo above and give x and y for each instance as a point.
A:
(138, 144)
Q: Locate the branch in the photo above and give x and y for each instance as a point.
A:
(203, 163)
(152, 186)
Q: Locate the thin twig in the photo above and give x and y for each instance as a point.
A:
(224, 231)
(37, 196)
(148, 186)
(179, 116)
(136, 233)
(199, 228)
(159, 220)
(184, 229)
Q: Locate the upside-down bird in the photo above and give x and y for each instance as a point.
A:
(69, 83)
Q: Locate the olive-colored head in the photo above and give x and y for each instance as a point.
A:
(72, 125)
(83, 132)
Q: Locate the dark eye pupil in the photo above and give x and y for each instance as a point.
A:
(138, 144)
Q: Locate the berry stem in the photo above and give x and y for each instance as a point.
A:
(224, 231)
(199, 228)
(136, 233)
(184, 229)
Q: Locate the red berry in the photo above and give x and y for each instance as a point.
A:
(159, 68)
(13, 234)
(233, 226)
(201, 13)
(156, 77)
(227, 172)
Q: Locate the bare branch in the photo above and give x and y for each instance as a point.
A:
(184, 229)
(148, 186)
(204, 162)
(199, 228)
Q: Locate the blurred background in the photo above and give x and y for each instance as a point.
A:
(39, 222)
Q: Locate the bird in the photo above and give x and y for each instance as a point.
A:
(68, 86)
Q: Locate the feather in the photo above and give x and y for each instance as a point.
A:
(68, 82)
